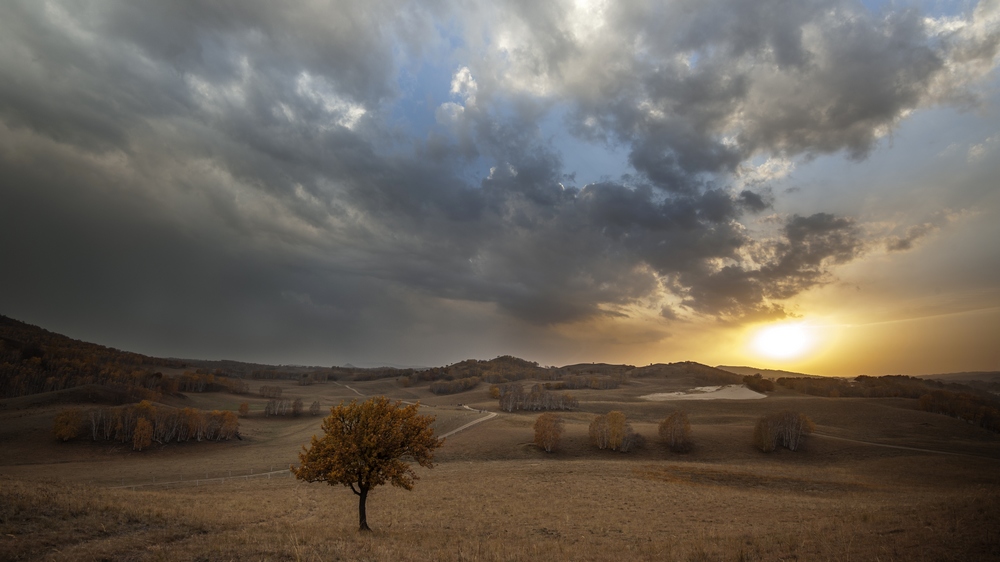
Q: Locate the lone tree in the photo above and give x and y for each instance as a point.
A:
(365, 445)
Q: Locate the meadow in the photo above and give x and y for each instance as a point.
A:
(879, 480)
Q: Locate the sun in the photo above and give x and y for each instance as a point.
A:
(784, 341)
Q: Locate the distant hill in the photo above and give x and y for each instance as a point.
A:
(689, 372)
(35, 361)
(985, 376)
(766, 373)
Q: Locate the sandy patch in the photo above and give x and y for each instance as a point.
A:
(731, 392)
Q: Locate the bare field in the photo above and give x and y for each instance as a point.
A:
(495, 496)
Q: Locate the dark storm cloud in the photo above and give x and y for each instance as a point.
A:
(155, 155)
(796, 262)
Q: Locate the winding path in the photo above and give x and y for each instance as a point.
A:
(488, 416)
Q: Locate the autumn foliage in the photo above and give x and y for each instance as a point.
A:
(140, 425)
(68, 424)
(612, 431)
(367, 444)
(548, 431)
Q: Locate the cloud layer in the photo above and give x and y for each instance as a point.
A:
(305, 174)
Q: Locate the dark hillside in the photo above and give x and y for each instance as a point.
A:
(689, 372)
(35, 360)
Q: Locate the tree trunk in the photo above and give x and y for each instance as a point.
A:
(362, 498)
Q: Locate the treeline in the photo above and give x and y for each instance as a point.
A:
(758, 383)
(142, 424)
(864, 386)
(454, 386)
(302, 378)
(964, 406)
(960, 401)
(200, 381)
(513, 396)
(276, 407)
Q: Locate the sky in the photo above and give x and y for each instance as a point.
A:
(811, 185)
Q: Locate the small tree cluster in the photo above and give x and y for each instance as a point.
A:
(514, 397)
(145, 423)
(548, 431)
(268, 391)
(194, 382)
(236, 386)
(454, 386)
(281, 407)
(758, 383)
(964, 406)
(786, 429)
(314, 408)
(675, 431)
(612, 431)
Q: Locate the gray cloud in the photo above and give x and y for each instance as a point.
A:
(233, 172)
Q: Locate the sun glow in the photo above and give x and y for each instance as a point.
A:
(784, 341)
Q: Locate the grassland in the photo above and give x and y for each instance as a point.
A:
(495, 496)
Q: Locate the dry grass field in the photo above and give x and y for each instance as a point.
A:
(866, 486)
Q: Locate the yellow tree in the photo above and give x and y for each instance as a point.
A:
(548, 431)
(366, 445)
(143, 435)
(67, 424)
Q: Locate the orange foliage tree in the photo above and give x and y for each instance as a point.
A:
(548, 431)
(364, 445)
(68, 424)
(612, 431)
(142, 437)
